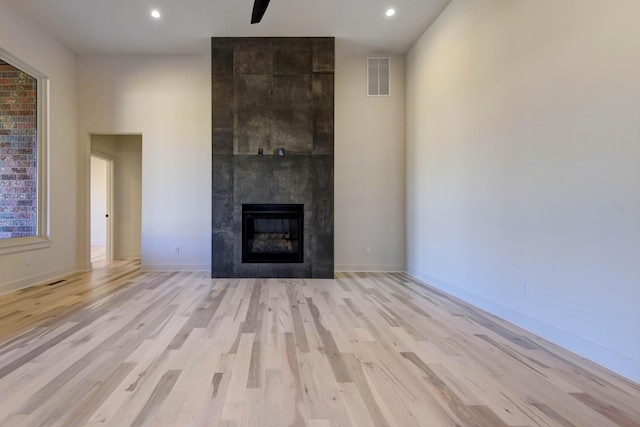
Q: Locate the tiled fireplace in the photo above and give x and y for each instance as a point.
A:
(272, 157)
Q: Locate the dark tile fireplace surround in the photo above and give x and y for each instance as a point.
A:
(272, 93)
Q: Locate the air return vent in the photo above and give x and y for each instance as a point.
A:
(378, 69)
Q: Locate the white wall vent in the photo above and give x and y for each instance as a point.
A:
(378, 81)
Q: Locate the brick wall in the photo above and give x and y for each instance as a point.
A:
(18, 153)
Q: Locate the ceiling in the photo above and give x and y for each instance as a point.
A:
(126, 27)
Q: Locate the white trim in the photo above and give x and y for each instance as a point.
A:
(41, 239)
(110, 209)
(128, 257)
(41, 279)
(370, 268)
(175, 267)
(610, 359)
(104, 156)
(23, 244)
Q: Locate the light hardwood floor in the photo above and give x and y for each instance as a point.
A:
(98, 254)
(120, 347)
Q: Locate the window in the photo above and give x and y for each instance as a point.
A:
(22, 156)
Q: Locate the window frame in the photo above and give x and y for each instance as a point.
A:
(42, 238)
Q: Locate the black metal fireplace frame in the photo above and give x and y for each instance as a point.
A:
(275, 211)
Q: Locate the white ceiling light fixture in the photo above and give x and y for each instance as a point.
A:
(155, 14)
(390, 12)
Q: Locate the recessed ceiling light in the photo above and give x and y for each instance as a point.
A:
(391, 12)
(155, 14)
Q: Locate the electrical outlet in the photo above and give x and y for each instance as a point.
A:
(367, 250)
(176, 250)
(27, 260)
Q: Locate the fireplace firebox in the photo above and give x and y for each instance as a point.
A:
(272, 233)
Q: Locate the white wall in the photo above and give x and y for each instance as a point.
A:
(167, 99)
(24, 39)
(128, 198)
(98, 201)
(523, 164)
(369, 168)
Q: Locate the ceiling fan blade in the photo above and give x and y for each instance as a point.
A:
(259, 8)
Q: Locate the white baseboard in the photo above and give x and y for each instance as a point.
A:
(175, 267)
(41, 279)
(610, 359)
(120, 257)
(369, 268)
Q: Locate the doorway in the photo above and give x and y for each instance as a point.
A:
(121, 222)
(101, 197)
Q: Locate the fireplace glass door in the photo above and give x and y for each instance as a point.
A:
(272, 233)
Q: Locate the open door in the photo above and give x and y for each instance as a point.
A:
(101, 209)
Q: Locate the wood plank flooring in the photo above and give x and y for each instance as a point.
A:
(120, 347)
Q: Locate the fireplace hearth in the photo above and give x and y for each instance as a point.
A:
(272, 233)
